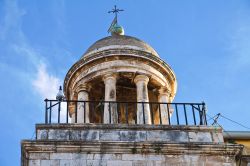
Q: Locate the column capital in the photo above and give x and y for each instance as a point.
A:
(108, 76)
(141, 77)
(82, 87)
(164, 91)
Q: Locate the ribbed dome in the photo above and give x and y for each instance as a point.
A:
(120, 41)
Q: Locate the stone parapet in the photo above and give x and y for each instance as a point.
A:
(130, 133)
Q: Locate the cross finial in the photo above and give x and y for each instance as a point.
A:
(115, 10)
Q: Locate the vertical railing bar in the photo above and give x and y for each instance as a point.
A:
(184, 106)
(102, 111)
(93, 110)
(168, 115)
(59, 111)
(193, 114)
(151, 112)
(205, 114)
(46, 111)
(200, 113)
(84, 111)
(126, 109)
(177, 114)
(67, 112)
(50, 111)
(160, 113)
(118, 112)
(76, 111)
(135, 113)
(143, 113)
(109, 113)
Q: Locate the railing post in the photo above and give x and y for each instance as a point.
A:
(160, 112)
(59, 110)
(67, 112)
(135, 113)
(126, 112)
(76, 112)
(193, 114)
(118, 113)
(201, 116)
(50, 110)
(169, 123)
(185, 114)
(152, 113)
(143, 113)
(204, 112)
(177, 114)
(109, 113)
(46, 111)
(84, 120)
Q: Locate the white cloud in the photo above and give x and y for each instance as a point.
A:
(47, 87)
(46, 84)
(18, 44)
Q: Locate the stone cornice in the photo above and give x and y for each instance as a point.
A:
(127, 126)
(164, 148)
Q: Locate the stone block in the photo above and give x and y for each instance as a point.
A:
(199, 137)
(58, 134)
(34, 162)
(133, 135)
(143, 163)
(65, 162)
(96, 162)
(90, 135)
(77, 162)
(133, 157)
(68, 156)
(217, 137)
(75, 135)
(108, 135)
(42, 134)
(170, 136)
(118, 162)
(39, 156)
(50, 162)
(107, 156)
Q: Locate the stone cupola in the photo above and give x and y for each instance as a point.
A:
(120, 68)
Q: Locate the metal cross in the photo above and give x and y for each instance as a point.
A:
(116, 10)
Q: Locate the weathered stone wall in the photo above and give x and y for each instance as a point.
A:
(132, 145)
(83, 159)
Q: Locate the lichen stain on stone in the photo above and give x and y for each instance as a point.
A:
(112, 94)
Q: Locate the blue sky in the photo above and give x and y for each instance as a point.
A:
(207, 43)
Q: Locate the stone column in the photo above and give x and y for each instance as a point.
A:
(82, 107)
(110, 109)
(164, 97)
(141, 82)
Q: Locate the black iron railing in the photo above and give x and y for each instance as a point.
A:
(177, 113)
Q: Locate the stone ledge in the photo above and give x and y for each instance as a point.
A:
(127, 126)
(130, 148)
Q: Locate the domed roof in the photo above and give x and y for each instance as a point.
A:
(120, 41)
